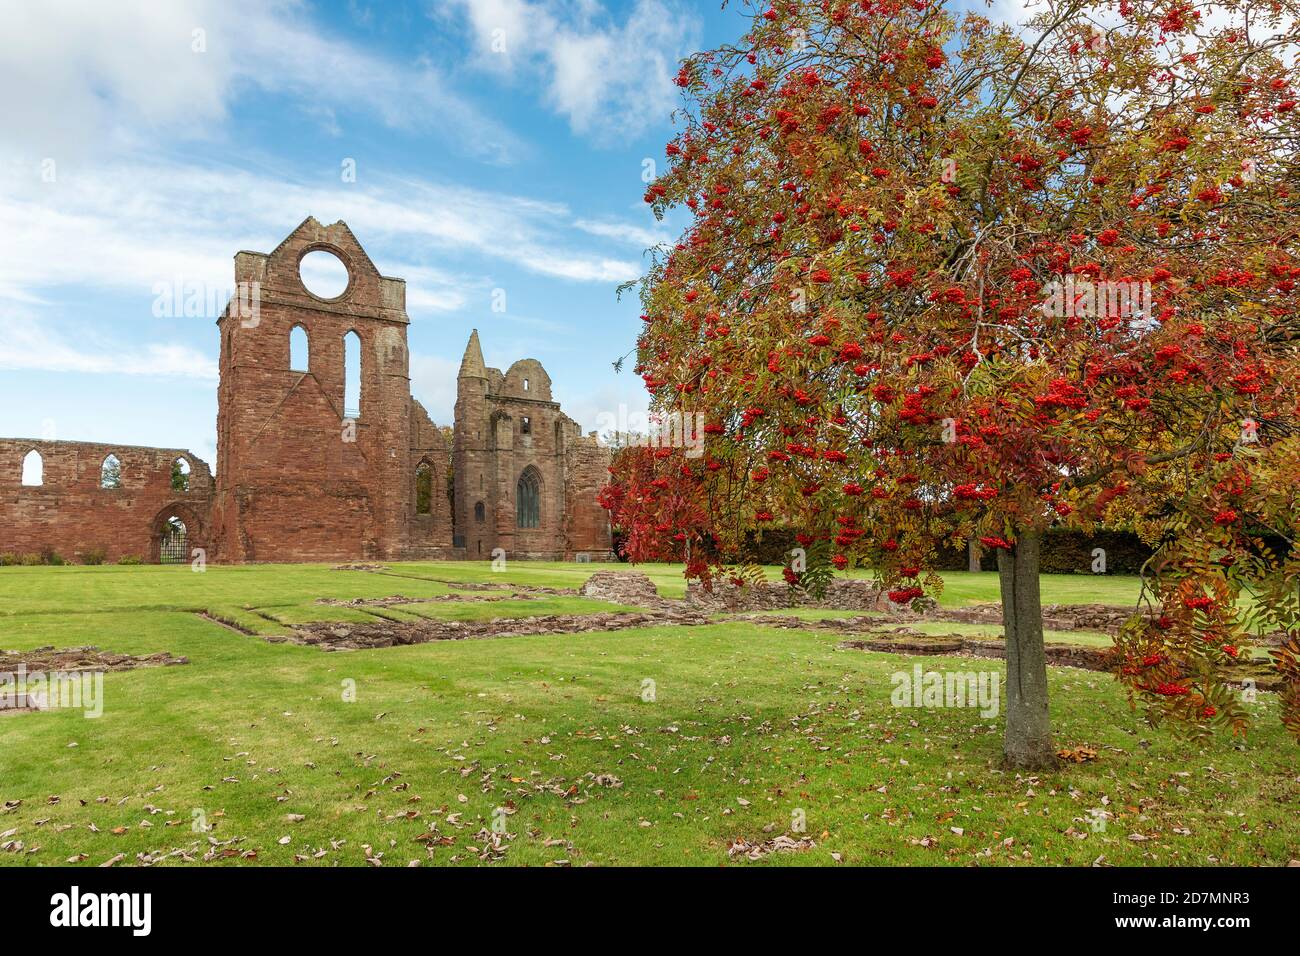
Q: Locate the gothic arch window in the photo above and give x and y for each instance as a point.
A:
(479, 512)
(33, 469)
(110, 473)
(528, 499)
(299, 350)
(423, 489)
(352, 375)
(180, 475)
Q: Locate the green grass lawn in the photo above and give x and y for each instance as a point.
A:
(960, 587)
(749, 726)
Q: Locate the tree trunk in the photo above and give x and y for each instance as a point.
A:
(972, 555)
(1028, 741)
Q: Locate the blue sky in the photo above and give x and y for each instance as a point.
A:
(135, 151)
(498, 145)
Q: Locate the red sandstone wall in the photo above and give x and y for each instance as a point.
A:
(71, 514)
(297, 482)
(493, 450)
(587, 530)
(429, 535)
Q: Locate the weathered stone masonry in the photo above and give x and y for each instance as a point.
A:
(301, 478)
(73, 514)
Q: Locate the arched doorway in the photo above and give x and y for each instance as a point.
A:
(176, 533)
(173, 541)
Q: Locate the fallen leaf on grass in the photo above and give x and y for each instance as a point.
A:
(1077, 754)
(756, 851)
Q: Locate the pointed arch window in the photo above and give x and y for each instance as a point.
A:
(479, 512)
(33, 469)
(299, 350)
(423, 489)
(352, 376)
(528, 499)
(110, 473)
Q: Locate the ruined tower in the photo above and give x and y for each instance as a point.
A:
(475, 494)
(526, 477)
(299, 476)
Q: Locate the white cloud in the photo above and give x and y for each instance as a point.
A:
(433, 384)
(83, 75)
(128, 226)
(27, 343)
(435, 290)
(604, 403)
(1012, 12)
(608, 79)
(623, 232)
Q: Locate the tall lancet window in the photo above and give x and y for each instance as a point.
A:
(528, 499)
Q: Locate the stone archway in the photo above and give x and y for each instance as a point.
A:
(174, 534)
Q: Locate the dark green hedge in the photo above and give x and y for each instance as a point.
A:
(1064, 552)
(1070, 552)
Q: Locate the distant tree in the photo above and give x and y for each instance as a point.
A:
(423, 489)
(623, 439)
(946, 280)
(110, 474)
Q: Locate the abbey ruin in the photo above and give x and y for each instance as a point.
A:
(301, 477)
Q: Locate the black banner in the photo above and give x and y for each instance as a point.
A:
(162, 904)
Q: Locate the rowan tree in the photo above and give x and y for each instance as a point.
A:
(947, 279)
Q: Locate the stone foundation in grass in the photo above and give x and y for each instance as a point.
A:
(623, 587)
(365, 635)
(1105, 618)
(89, 658)
(20, 669)
(848, 594)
